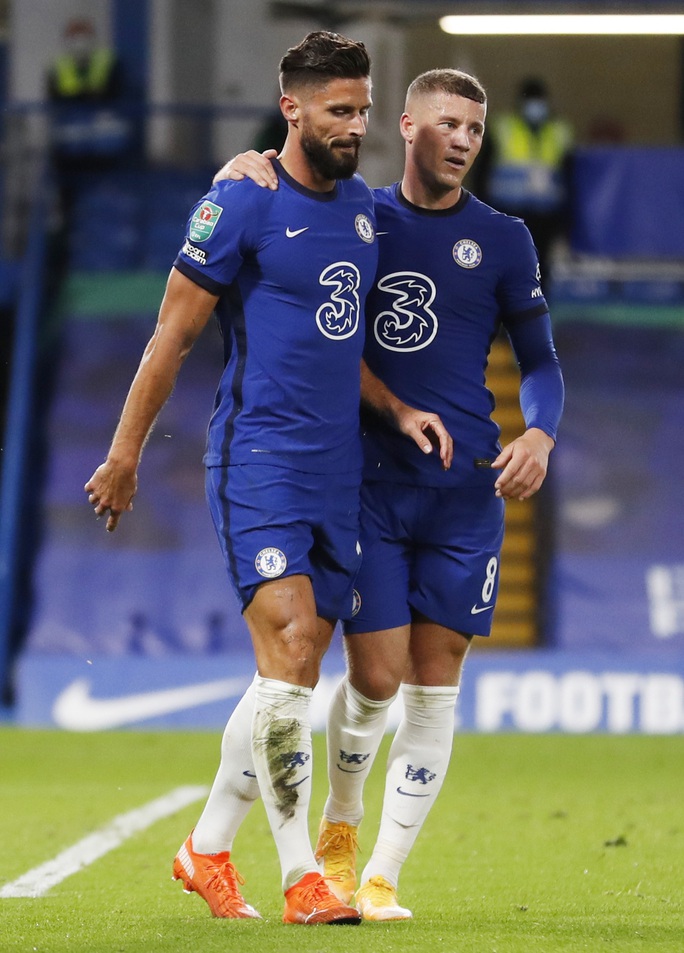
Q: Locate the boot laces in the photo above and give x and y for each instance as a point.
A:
(380, 892)
(336, 849)
(318, 895)
(225, 880)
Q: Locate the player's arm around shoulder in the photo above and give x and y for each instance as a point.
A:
(184, 312)
(424, 427)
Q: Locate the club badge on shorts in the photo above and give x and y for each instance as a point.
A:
(270, 562)
(356, 602)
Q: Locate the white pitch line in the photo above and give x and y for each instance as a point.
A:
(38, 881)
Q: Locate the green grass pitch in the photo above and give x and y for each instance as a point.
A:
(537, 844)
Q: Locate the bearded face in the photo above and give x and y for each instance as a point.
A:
(332, 120)
(338, 159)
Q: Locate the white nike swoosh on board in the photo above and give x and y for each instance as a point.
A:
(475, 610)
(292, 233)
(76, 710)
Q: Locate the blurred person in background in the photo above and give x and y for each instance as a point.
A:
(525, 168)
(272, 132)
(89, 131)
(85, 71)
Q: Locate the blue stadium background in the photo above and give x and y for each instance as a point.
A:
(147, 615)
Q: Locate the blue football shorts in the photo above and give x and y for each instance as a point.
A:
(429, 550)
(273, 522)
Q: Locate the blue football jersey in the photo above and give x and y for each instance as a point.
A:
(292, 268)
(447, 279)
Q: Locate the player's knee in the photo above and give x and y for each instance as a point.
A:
(445, 670)
(375, 681)
(289, 649)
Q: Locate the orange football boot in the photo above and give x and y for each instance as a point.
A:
(215, 879)
(311, 901)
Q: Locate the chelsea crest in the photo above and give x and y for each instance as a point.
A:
(467, 253)
(364, 228)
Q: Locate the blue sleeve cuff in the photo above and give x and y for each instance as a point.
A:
(198, 277)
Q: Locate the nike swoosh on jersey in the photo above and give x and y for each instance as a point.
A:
(382, 233)
(293, 232)
(476, 609)
(76, 710)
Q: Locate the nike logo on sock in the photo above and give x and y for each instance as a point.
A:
(297, 783)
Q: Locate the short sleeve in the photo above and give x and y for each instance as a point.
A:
(219, 235)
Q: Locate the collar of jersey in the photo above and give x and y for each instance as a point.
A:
(432, 212)
(298, 187)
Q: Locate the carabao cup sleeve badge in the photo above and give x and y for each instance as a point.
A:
(204, 221)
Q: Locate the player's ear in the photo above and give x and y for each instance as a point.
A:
(289, 106)
(406, 127)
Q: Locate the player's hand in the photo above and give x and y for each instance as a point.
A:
(428, 431)
(111, 490)
(523, 464)
(253, 165)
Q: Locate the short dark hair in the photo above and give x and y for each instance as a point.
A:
(452, 81)
(322, 56)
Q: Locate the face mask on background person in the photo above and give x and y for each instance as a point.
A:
(535, 111)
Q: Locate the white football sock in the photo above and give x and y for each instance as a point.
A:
(281, 749)
(235, 786)
(356, 726)
(416, 768)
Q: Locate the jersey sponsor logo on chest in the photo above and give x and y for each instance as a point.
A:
(407, 321)
(338, 316)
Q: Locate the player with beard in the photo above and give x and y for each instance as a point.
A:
(287, 273)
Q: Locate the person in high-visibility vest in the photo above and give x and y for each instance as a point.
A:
(90, 128)
(526, 167)
(84, 71)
